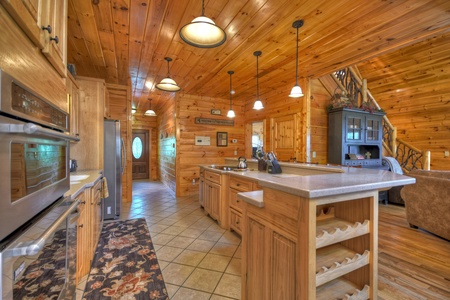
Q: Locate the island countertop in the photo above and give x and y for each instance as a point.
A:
(340, 180)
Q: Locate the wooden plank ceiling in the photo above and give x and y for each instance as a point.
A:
(125, 41)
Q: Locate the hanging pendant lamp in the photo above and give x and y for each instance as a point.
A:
(168, 84)
(231, 113)
(296, 91)
(150, 112)
(202, 32)
(258, 104)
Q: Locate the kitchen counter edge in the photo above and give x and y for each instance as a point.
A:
(77, 187)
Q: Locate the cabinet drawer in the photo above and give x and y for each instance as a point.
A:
(241, 185)
(214, 177)
(234, 201)
(236, 221)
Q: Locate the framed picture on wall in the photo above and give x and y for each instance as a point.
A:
(222, 139)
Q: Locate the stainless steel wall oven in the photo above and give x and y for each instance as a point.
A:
(37, 224)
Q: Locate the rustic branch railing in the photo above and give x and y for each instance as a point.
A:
(349, 80)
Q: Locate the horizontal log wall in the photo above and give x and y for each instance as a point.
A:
(412, 86)
(190, 156)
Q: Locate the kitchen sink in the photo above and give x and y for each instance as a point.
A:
(78, 177)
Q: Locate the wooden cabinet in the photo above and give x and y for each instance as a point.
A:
(73, 100)
(212, 194)
(89, 227)
(300, 248)
(45, 24)
(201, 187)
(236, 207)
(82, 239)
(355, 137)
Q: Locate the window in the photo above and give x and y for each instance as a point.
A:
(137, 147)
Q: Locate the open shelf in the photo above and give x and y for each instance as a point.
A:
(336, 260)
(342, 289)
(331, 230)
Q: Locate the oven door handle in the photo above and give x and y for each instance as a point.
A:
(31, 128)
(34, 247)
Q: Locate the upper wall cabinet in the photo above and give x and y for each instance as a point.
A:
(45, 24)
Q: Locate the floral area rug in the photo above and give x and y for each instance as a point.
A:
(125, 265)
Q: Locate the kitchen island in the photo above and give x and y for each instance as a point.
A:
(312, 234)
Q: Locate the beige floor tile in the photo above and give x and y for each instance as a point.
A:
(201, 245)
(163, 264)
(180, 242)
(190, 257)
(224, 249)
(174, 230)
(203, 280)
(168, 253)
(215, 227)
(230, 238)
(157, 228)
(238, 253)
(176, 274)
(210, 236)
(189, 294)
(162, 238)
(234, 267)
(192, 232)
(171, 289)
(218, 297)
(215, 262)
(229, 286)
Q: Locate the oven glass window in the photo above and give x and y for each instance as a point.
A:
(35, 166)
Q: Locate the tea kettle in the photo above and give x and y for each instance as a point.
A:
(242, 164)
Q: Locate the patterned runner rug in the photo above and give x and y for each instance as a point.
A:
(125, 264)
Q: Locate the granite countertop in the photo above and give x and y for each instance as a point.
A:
(77, 186)
(340, 180)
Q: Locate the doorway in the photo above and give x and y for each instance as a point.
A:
(141, 154)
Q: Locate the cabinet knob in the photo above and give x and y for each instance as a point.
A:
(83, 202)
(56, 39)
(237, 222)
(48, 28)
(80, 226)
(238, 184)
(237, 200)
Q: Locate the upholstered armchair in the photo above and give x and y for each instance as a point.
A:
(427, 202)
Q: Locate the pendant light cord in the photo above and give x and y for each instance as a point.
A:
(203, 7)
(257, 79)
(296, 63)
(231, 91)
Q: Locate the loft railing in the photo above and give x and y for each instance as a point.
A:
(349, 82)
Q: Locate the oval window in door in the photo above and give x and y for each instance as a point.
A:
(137, 147)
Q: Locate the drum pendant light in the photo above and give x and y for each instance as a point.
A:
(231, 113)
(296, 91)
(258, 104)
(168, 84)
(202, 32)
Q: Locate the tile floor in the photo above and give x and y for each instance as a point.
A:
(199, 260)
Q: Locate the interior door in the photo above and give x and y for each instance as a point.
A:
(284, 131)
(140, 150)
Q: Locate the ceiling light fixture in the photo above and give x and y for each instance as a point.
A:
(150, 112)
(296, 91)
(168, 84)
(258, 104)
(231, 113)
(133, 110)
(202, 32)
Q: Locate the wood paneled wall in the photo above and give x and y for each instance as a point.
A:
(189, 155)
(89, 150)
(151, 124)
(120, 109)
(166, 142)
(412, 86)
(21, 59)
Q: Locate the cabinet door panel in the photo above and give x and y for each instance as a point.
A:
(215, 201)
(256, 265)
(283, 268)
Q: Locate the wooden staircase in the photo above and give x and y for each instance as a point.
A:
(351, 91)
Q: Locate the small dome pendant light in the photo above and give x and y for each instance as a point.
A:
(168, 84)
(258, 104)
(202, 32)
(231, 113)
(150, 112)
(296, 91)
